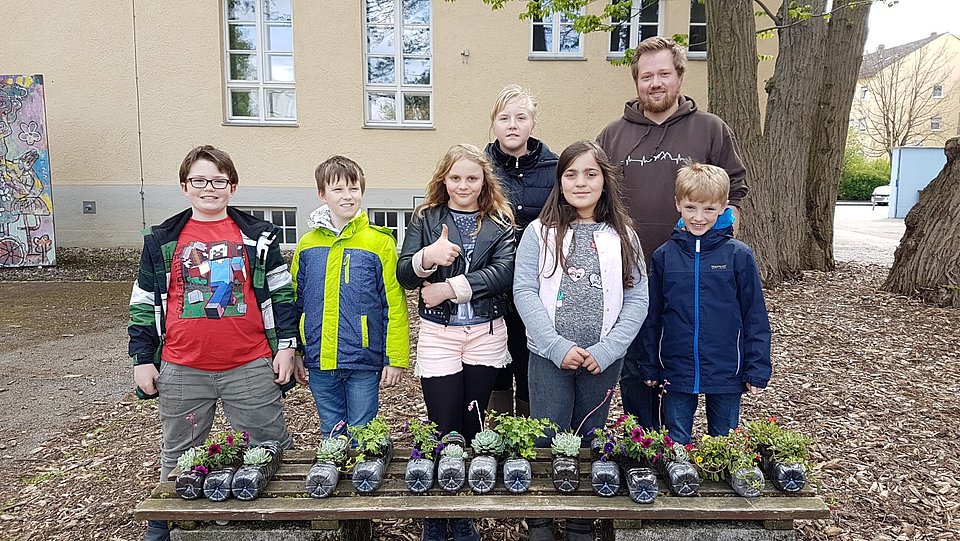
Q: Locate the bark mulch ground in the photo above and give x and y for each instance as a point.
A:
(873, 377)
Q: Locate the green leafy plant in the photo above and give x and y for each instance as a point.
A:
(718, 456)
(605, 444)
(194, 458)
(520, 434)
(333, 450)
(780, 444)
(257, 456)
(635, 442)
(453, 450)
(425, 439)
(373, 439)
(225, 449)
(566, 444)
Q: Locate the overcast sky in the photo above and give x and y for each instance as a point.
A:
(910, 20)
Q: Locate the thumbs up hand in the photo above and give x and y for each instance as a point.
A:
(442, 252)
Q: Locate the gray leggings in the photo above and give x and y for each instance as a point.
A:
(567, 396)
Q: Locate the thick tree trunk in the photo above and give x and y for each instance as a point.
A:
(927, 263)
(846, 36)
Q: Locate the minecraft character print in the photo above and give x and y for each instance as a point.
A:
(213, 278)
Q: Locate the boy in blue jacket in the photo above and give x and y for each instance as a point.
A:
(707, 331)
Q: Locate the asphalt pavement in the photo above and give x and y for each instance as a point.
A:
(863, 234)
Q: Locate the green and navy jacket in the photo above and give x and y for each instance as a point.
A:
(352, 311)
(271, 284)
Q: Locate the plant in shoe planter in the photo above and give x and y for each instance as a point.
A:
(193, 464)
(451, 469)
(784, 454)
(487, 446)
(331, 459)
(259, 465)
(375, 451)
(225, 453)
(519, 437)
(730, 458)
(565, 448)
(604, 472)
(672, 461)
(426, 442)
(637, 451)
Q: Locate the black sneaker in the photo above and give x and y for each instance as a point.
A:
(157, 530)
(434, 529)
(541, 529)
(579, 530)
(464, 529)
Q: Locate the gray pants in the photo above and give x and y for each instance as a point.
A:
(567, 396)
(250, 398)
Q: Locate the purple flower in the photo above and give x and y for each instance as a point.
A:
(636, 435)
(214, 449)
(230, 440)
(200, 468)
(608, 448)
(192, 419)
(646, 443)
(440, 446)
(667, 442)
(246, 437)
(415, 454)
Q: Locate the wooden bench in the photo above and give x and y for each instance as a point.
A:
(349, 513)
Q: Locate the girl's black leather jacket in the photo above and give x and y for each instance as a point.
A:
(491, 266)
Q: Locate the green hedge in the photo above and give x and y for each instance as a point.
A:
(860, 176)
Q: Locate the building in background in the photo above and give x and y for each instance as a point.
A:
(281, 85)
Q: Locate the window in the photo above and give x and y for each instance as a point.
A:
(862, 124)
(398, 61)
(644, 22)
(697, 43)
(554, 37)
(937, 91)
(393, 219)
(936, 124)
(284, 218)
(864, 92)
(258, 61)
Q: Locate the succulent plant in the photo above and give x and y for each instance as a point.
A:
(566, 444)
(192, 457)
(257, 456)
(453, 450)
(333, 450)
(488, 443)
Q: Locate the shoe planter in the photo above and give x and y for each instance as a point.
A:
(249, 481)
(190, 484)
(419, 475)
(605, 478)
(517, 475)
(451, 473)
(747, 482)
(642, 485)
(217, 485)
(566, 474)
(786, 477)
(681, 477)
(322, 479)
(482, 474)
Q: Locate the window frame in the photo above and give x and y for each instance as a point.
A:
(936, 123)
(697, 55)
(555, 53)
(261, 86)
(635, 25)
(404, 215)
(398, 88)
(937, 95)
(267, 211)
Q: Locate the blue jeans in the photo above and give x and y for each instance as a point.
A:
(723, 414)
(352, 396)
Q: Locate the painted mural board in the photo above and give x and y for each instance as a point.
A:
(26, 195)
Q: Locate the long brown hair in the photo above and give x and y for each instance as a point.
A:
(491, 203)
(557, 213)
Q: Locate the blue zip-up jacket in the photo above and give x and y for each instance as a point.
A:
(707, 330)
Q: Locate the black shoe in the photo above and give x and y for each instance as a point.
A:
(157, 530)
(579, 529)
(464, 529)
(541, 529)
(434, 529)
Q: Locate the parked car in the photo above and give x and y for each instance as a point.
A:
(881, 196)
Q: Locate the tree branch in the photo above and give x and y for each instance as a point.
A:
(781, 26)
(773, 17)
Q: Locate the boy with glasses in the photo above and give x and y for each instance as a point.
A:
(212, 317)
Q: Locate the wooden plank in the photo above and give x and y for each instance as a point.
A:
(473, 506)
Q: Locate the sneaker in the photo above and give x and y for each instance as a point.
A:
(579, 530)
(434, 529)
(541, 529)
(464, 529)
(157, 530)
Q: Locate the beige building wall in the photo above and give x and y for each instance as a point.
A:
(131, 87)
(938, 60)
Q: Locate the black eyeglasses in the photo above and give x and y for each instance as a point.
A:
(201, 183)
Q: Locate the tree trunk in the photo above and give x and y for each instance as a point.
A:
(927, 263)
(846, 36)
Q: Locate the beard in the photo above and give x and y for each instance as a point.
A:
(669, 100)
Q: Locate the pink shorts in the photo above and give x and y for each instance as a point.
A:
(442, 350)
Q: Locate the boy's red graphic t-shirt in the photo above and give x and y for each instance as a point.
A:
(213, 319)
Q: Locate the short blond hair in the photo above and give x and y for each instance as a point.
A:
(510, 93)
(656, 44)
(703, 183)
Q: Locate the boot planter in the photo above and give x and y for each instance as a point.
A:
(642, 485)
(451, 468)
(322, 479)
(566, 474)
(251, 479)
(747, 482)
(482, 475)
(605, 478)
(517, 475)
(681, 477)
(786, 477)
(217, 485)
(419, 475)
(190, 484)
